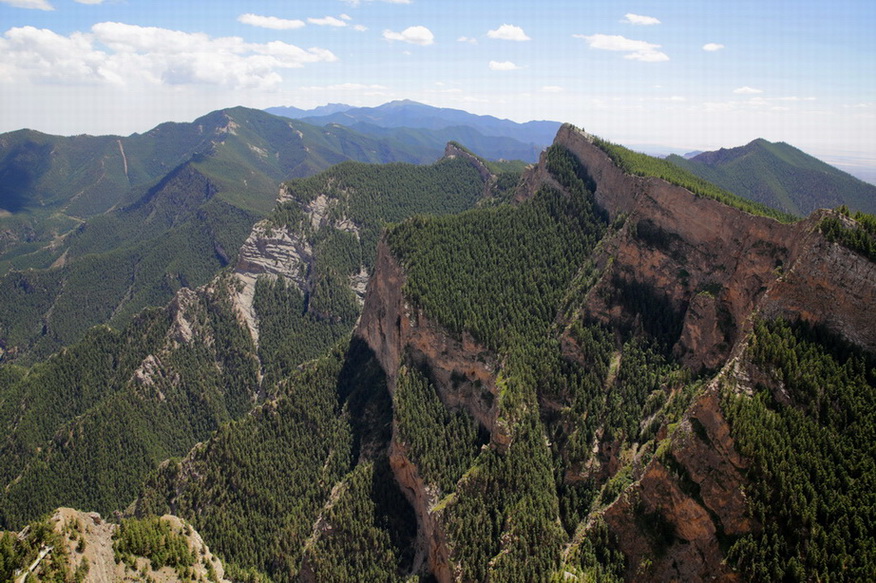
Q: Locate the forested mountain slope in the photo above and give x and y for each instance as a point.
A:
(598, 375)
(85, 426)
(601, 381)
(782, 177)
(97, 228)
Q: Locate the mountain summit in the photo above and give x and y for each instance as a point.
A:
(781, 176)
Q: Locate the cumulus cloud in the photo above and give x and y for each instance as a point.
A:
(552, 89)
(271, 22)
(637, 50)
(125, 54)
(503, 66)
(747, 91)
(508, 32)
(467, 39)
(327, 21)
(33, 4)
(640, 20)
(712, 47)
(415, 35)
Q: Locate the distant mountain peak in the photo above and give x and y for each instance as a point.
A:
(782, 176)
(406, 113)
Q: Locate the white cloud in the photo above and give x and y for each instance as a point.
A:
(34, 4)
(747, 91)
(648, 56)
(552, 89)
(43, 55)
(345, 17)
(122, 54)
(327, 21)
(503, 66)
(712, 47)
(360, 27)
(90, 1)
(271, 22)
(638, 50)
(415, 35)
(508, 32)
(466, 39)
(640, 20)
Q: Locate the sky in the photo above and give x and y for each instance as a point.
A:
(676, 73)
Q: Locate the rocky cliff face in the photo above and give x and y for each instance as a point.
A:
(715, 265)
(712, 268)
(463, 372)
(669, 524)
(452, 150)
(286, 252)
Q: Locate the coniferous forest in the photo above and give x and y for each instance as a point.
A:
(520, 395)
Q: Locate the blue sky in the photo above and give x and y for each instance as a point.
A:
(679, 73)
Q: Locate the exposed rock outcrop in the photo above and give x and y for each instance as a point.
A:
(830, 285)
(463, 373)
(431, 542)
(715, 265)
(669, 523)
(273, 252)
(88, 539)
(286, 252)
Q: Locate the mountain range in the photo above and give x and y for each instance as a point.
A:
(780, 176)
(598, 367)
(417, 123)
(93, 229)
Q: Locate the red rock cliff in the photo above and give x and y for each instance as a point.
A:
(463, 372)
(717, 265)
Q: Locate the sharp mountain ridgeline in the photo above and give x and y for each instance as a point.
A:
(598, 367)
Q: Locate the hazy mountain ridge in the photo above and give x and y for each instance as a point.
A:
(781, 176)
(412, 122)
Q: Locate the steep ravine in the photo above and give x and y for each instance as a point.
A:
(463, 372)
